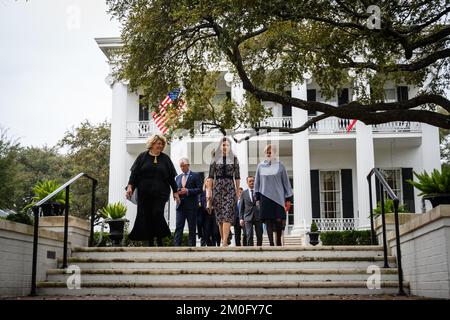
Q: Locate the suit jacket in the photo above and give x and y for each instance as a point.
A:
(248, 209)
(194, 187)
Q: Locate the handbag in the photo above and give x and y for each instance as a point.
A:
(134, 197)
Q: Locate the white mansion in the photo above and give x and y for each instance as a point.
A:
(328, 167)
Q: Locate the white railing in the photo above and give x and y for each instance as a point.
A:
(278, 122)
(141, 129)
(333, 125)
(336, 224)
(330, 125)
(397, 126)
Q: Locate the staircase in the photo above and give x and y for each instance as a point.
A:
(221, 272)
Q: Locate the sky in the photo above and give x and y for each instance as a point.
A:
(52, 73)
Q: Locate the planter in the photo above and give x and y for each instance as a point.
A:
(313, 238)
(437, 199)
(116, 231)
(52, 209)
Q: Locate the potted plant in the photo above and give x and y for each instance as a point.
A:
(389, 208)
(434, 187)
(53, 207)
(314, 234)
(114, 215)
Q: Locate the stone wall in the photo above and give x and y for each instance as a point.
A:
(425, 248)
(16, 250)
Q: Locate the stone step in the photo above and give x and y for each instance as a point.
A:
(242, 262)
(230, 252)
(220, 288)
(156, 275)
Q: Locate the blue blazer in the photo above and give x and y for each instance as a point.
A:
(194, 187)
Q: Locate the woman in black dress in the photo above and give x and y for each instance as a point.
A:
(153, 173)
(223, 186)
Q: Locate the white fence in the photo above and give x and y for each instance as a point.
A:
(336, 224)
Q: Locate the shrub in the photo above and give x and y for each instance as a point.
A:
(314, 227)
(106, 242)
(114, 211)
(21, 217)
(434, 183)
(389, 207)
(345, 238)
(43, 188)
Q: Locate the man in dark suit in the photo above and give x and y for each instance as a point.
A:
(249, 214)
(238, 229)
(189, 187)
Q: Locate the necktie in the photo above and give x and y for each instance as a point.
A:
(183, 180)
(253, 196)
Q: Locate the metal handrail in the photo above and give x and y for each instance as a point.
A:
(36, 208)
(385, 186)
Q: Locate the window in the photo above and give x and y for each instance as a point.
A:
(394, 179)
(143, 111)
(287, 110)
(389, 95)
(290, 215)
(343, 96)
(330, 194)
(402, 93)
(311, 95)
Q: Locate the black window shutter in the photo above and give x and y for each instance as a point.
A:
(311, 95)
(315, 193)
(228, 94)
(408, 189)
(343, 97)
(377, 189)
(143, 111)
(402, 93)
(287, 110)
(347, 193)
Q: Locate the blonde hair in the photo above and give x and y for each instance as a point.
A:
(272, 148)
(155, 138)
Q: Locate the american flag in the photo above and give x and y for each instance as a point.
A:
(351, 125)
(163, 115)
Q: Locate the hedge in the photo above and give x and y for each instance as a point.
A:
(346, 238)
(167, 241)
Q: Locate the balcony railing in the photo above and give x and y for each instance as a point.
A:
(278, 122)
(141, 129)
(336, 224)
(333, 125)
(397, 126)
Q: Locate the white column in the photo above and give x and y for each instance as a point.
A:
(364, 163)
(237, 95)
(118, 172)
(431, 156)
(301, 165)
(242, 154)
